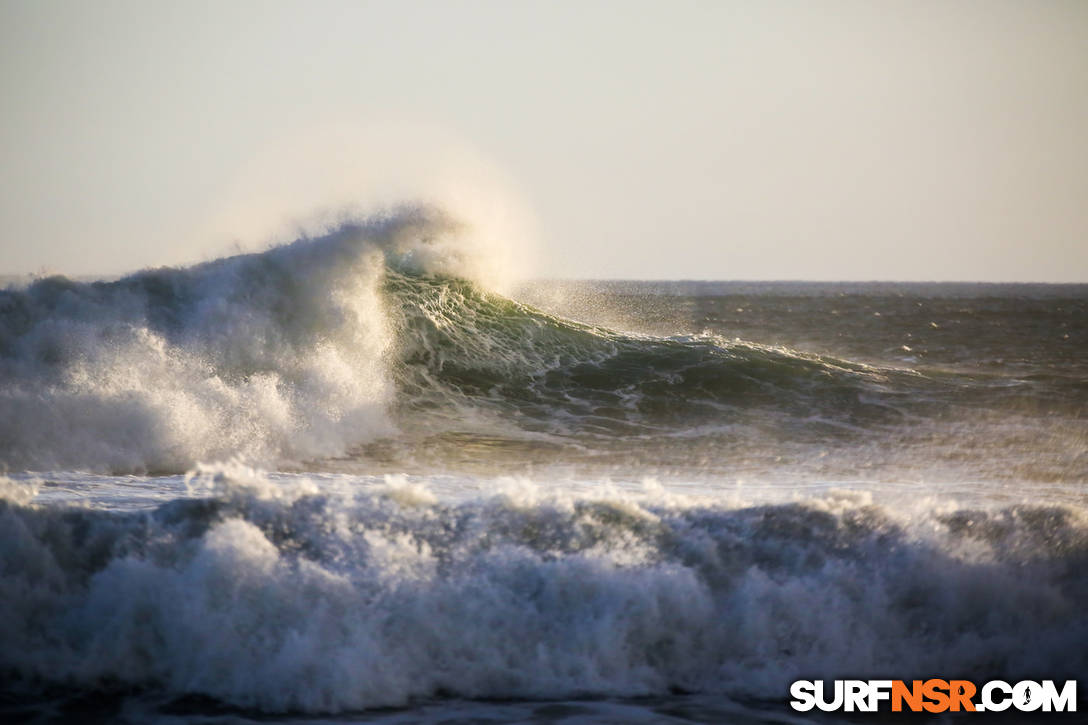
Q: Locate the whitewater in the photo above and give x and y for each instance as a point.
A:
(356, 476)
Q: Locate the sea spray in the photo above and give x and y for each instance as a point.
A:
(274, 356)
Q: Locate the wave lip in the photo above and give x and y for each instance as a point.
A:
(301, 599)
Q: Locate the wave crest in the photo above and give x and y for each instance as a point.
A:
(269, 356)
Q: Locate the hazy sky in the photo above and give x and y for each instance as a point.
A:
(722, 140)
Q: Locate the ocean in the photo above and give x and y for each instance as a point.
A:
(349, 479)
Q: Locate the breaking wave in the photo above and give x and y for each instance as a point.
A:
(285, 596)
(270, 356)
(310, 350)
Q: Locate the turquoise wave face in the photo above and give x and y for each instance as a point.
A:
(456, 340)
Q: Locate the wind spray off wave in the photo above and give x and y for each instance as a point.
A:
(269, 356)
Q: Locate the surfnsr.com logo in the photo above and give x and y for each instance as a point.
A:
(934, 696)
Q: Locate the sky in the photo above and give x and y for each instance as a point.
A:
(884, 140)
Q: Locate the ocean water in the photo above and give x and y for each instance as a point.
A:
(345, 480)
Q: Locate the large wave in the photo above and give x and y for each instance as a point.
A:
(311, 349)
(288, 596)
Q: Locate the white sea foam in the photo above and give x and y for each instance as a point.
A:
(269, 357)
(283, 594)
